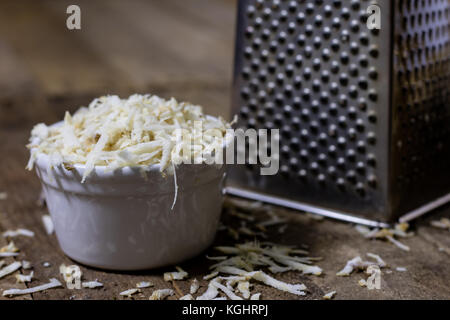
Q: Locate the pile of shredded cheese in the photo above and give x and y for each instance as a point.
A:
(139, 131)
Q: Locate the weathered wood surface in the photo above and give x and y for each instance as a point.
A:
(180, 48)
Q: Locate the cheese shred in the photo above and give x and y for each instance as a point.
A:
(140, 131)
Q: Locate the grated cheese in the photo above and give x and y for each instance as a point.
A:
(194, 286)
(176, 186)
(241, 260)
(138, 132)
(210, 293)
(48, 224)
(350, 266)
(245, 230)
(233, 233)
(241, 215)
(400, 230)
(282, 229)
(272, 222)
(228, 292)
(211, 275)
(443, 223)
(297, 289)
(18, 232)
(255, 296)
(144, 284)
(376, 257)
(54, 283)
(128, 293)
(10, 250)
(13, 267)
(397, 243)
(329, 295)
(8, 254)
(251, 254)
(179, 275)
(220, 258)
(72, 275)
(161, 294)
(21, 278)
(362, 283)
(358, 264)
(92, 284)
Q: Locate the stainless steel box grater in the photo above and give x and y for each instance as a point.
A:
(364, 115)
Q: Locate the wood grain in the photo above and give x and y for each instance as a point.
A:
(171, 48)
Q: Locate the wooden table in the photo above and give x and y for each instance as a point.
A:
(180, 48)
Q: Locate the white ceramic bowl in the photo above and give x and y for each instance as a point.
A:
(121, 221)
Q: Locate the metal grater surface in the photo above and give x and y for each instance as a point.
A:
(363, 114)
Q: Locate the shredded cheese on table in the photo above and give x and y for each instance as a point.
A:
(229, 292)
(13, 267)
(54, 283)
(8, 254)
(250, 254)
(255, 296)
(9, 250)
(211, 293)
(71, 274)
(194, 286)
(180, 274)
(128, 293)
(358, 264)
(161, 294)
(92, 284)
(329, 295)
(444, 223)
(22, 278)
(244, 289)
(241, 263)
(26, 265)
(144, 284)
(48, 224)
(136, 132)
(400, 230)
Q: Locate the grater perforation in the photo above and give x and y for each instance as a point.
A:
(354, 123)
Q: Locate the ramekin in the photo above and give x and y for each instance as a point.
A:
(122, 220)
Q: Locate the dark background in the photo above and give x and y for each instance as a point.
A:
(171, 48)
